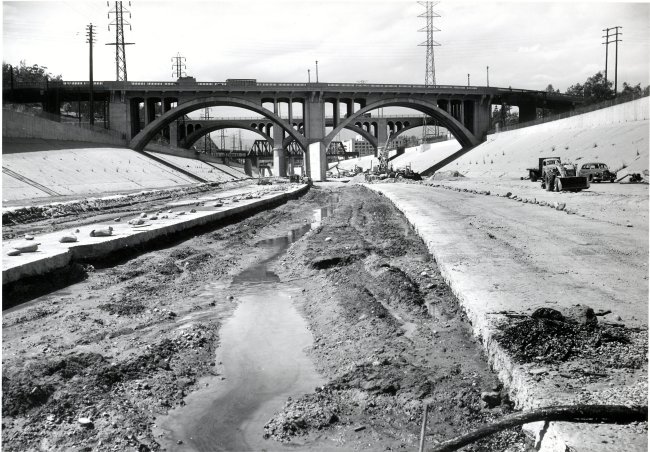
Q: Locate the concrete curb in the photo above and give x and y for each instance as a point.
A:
(524, 390)
(57, 255)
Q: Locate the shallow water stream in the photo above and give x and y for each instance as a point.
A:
(261, 359)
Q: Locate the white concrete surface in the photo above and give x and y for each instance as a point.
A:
(499, 255)
(197, 167)
(52, 254)
(88, 171)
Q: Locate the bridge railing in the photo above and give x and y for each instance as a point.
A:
(578, 111)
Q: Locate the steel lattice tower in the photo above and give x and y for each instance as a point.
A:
(429, 14)
(431, 130)
(120, 45)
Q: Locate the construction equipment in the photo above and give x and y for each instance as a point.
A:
(407, 173)
(558, 176)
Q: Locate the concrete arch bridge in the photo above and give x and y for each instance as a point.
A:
(463, 110)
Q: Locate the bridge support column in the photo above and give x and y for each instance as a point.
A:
(173, 133)
(119, 118)
(149, 111)
(336, 113)
(248, 167)
(279, 162)
(315, 165)
(279, 154)
(382, 132)
(527, 112)
(482, 117)
(317, 161)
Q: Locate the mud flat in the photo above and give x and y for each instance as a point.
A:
(104, 363)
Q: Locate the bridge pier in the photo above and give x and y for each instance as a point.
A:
(279, 154)
(119, 117)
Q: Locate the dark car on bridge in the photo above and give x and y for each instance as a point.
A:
(597, 172)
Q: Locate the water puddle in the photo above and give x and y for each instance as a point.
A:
(261, 362)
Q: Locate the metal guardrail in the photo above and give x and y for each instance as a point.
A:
(578, 111)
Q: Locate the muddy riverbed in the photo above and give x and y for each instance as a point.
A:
(322, 324)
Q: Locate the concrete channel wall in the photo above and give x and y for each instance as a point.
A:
(53, 255)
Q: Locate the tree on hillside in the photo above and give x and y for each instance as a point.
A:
(634, 91)
(549, 89)
(595, 89)
(24, 73)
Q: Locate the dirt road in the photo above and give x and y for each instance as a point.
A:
(98, 365)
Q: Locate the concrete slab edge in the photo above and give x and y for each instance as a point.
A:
(548, 436)
(96, 250)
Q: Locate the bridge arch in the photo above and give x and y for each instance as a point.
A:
(460, 132)
(139, 141)
(198, 134)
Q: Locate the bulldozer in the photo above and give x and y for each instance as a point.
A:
(557, 176)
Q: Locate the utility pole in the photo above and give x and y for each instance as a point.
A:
(316, 71)
(607, 42)
(120, 45)
(90, 39)
(240, 148)
(616, 61)
(178, 66)
(430, 66)
(487, 68)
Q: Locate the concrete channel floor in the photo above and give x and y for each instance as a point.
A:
(52, 254)
(501, 256)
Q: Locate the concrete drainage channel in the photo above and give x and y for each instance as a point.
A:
(332, 341)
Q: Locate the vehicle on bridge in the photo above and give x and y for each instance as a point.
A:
(597, 172)
(241, 81)
(558, 176)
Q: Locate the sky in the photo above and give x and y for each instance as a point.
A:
(525, 44)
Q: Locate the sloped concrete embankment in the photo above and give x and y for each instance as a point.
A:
(617, 136)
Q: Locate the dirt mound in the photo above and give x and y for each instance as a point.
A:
(549, 341)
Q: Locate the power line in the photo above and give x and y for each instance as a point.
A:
(120, 50)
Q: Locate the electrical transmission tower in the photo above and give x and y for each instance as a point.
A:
(429, 130)
(607, 43)
(178, 66)
(120, 45)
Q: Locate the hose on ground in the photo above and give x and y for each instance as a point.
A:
(567, 413)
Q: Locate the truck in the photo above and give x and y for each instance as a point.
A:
(241, 82)
(558, 176)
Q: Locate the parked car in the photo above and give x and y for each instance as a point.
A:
(596, 172)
